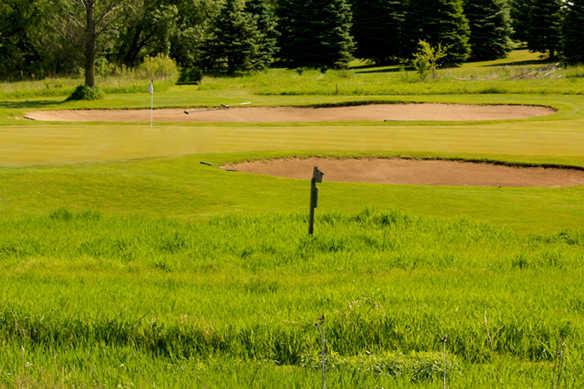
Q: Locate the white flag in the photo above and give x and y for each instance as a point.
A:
(151, 88)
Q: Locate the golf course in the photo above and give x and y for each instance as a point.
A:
(448, 245)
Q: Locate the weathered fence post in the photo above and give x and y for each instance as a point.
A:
(317, 177)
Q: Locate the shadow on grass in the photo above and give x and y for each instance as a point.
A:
(28, 104)
(386, 70)
(545, 61)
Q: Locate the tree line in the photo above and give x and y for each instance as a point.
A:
(40, 38)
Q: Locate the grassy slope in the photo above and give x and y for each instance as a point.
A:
(162, 271)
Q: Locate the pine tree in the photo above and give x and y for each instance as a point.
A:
(438, 22)
(19, 57)
(545, 22)
(266, 23)
(315, 33)
(573, 32)
(520, 18)
(490, 28)
(233, 43)
(377, 28)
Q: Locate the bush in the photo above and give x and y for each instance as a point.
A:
(83, 92)
(190, 76)
(160, 67)
(103, 68)
(427, 59)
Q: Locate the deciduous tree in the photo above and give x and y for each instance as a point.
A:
(89, 22)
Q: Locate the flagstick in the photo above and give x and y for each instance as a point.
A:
(151, 91)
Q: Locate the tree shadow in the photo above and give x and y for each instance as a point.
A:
(388, 70)
(4, 104)
(365, 66)
(527, 62)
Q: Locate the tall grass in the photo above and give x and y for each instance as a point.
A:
(110, 78)
(497, 77)
(546, 79)
(250, 289)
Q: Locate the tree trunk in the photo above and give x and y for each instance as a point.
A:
(90, 40)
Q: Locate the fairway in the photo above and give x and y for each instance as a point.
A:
(449, 231)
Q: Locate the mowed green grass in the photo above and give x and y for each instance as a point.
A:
(126, 262)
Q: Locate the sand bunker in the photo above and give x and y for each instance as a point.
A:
(415, 172)
(372, 112)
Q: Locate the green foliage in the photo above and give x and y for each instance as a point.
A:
(520, 19)
(378, 29)
(160, 67)
(190, 76)
(147, 31)
(573, 32)
(427, 59)
(315, 33)
(18, 56)
(83, 92)
(490, 28)
(439, 22)
(233, 42)
(267, 25)
(545, 23)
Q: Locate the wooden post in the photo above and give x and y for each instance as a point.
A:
(317, 176)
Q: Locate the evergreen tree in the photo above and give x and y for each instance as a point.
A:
(573, 32)
(545, 23)
(315, 33)
(438, 22)
(267, 26)
(520, 18)
(490, 28)
(232, 44)
(377, 28)
(18, 56)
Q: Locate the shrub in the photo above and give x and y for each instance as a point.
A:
(190, 76)
(103, 67)
(83, 92)
(427, 58)
(160, 67)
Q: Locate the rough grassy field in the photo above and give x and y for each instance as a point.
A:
(125, 262)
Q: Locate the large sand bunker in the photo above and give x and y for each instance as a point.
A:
(415, 172)
(371, 112)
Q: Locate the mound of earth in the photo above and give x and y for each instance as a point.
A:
(371, 112)
(415, 172)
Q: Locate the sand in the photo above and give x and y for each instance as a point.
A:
(415, 172)
(371, 112)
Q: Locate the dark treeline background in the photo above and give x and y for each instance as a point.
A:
(40, 38)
